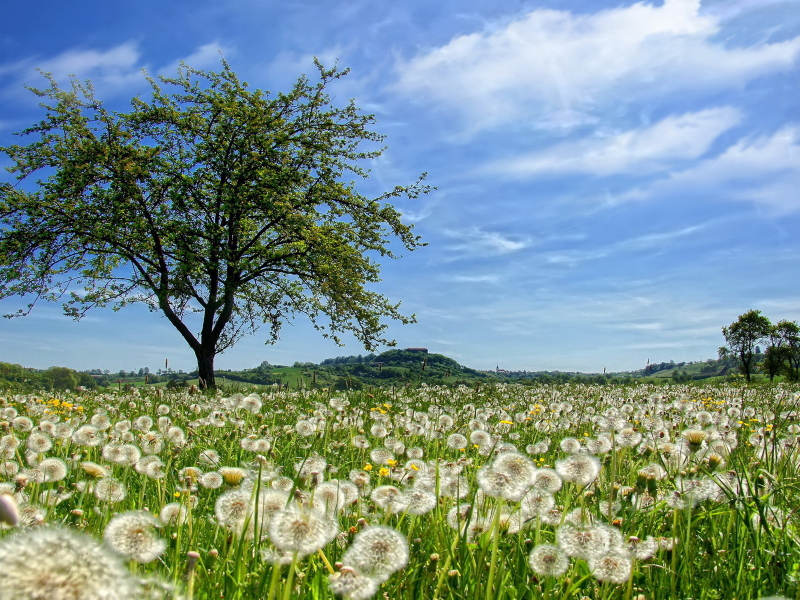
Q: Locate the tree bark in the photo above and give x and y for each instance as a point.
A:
(205, 368)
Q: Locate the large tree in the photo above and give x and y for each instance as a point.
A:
(223, 207)
(743, 335)
(783, 352)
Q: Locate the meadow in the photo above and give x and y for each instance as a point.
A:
(638, 492)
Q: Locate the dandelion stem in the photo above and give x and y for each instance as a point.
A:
(495, 546)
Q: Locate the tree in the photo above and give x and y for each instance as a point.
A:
(60, 378)
(743, 335)
(785, 346)
(224, 208)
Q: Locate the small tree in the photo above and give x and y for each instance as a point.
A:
(742, 336)
(221, 207)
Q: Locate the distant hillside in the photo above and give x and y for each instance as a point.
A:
(390, 368)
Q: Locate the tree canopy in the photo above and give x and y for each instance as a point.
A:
(743, 336)
(222, 207)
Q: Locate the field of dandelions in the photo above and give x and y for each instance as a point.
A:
(637, 492)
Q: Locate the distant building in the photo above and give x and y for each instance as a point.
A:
(423, 350)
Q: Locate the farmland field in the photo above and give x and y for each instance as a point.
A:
(506, 491)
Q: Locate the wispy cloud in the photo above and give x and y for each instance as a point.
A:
(645, 150)
(759, 169)
(477, 242)
(556, 69)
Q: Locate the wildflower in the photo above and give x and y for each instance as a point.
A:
(209, 457)
(9, 468)
(312, 469)
(39, 442)
(548, 560)
(537, 502)
(232, 509)
(143, 423)
(54, 469)
(599, 446)
(583, 542)
(377, 551)
(305, 428)
(381, 456)
(88, 435)
(151, 442)
(480, 437)
(385, 496)
(22, 424)
(360, 442)
(695, 437)
(232, 475)
(456, 441)
(268, 503)
(454, 487)
(614, 566)
(100, 421)
(349, 583)
(328, 496)
(173, 513)
(416, 502)
(133, 535)
(60, 564)
(570, 445)
(582, 469)
(94, 470)
(176, 436)
(301, 529)
(109, 489)
(547, 479)
(501, 485)
(628, 437)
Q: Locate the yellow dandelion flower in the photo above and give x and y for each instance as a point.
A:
(383, 472)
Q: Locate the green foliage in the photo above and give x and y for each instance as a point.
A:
(207, 198)
(743, 336)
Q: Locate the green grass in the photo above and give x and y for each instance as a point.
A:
(738, 539)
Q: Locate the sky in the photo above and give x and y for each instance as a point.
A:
(615, 180)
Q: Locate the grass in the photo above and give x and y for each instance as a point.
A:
(717, 520)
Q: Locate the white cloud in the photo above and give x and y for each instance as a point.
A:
(557, 69)
(763, 169)
(115, 64)
(476, 278)
(475, 241)
(645, 150)
(206, 56)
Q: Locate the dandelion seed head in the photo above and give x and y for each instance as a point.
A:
(110, 490)
(133, 535)
(211, 480)
(232, 509)
(350, 584)
(377, 551)
(39, 442)
(582, 469)
(548, 560)
(614, 566)
(60, 564)
(301, 529)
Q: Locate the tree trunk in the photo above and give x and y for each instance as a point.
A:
(205, 368)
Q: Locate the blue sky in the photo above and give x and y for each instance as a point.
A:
(616, 180)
